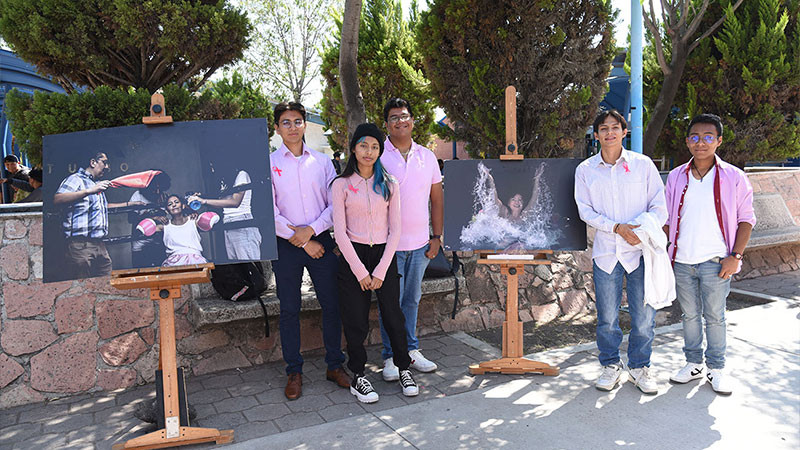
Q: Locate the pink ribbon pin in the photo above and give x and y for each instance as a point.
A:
(625, 166)
(276, 170)
(355, 190)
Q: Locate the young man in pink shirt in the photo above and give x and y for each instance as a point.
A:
(417, 171)
(303, 215)
(710, 204)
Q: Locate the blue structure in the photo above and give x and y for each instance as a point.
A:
(16, 73)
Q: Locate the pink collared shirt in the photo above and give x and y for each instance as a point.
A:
(607, 194)
(415, 176)
(363, 216)
(733, 201)
(300, 190)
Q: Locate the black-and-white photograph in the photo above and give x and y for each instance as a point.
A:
(511, 206)
(148, 196)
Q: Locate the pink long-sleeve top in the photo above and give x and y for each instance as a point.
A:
(363, 216)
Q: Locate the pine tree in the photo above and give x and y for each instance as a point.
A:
(389, 65)
(557, 53)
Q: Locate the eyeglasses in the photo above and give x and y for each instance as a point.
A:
(400, 118)
(288, 123)
(708, 139)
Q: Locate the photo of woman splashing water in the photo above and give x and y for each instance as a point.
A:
(511, 206)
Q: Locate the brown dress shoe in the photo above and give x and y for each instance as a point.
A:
(338, 376)
(294, 387)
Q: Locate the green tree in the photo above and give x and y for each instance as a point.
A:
(288, 35)
(389, 65)
(40, 114)
(122, 43)
(557, 53)
(749, 74)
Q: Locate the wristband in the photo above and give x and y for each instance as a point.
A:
(737, 255)
(614, 230)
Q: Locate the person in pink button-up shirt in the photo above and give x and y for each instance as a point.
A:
(417, 172)
(367, 226)
(303, 215)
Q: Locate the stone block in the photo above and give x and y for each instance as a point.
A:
(147, 364)
(37, 263)
(15, 229)
(480, 286)
(113, 379)
(183, 328)
(583, 259)
(561, 280)
(123, 349)
(74, 313)
(542, 295)
(33, 299)
(573, 302)
(14, 261)
(496, 319)
(786, 253)
(543, 272)
(525, 315)
(466, 320)
(311, 333)
(74, 356)
(26, 336)
(545, 313)
(10, 370)
(115, 317)
(148, 335)
(200, 343)
(21, 394)
(229, 359)
(35, 232)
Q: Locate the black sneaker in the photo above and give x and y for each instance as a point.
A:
(410, 388)
(362, 389)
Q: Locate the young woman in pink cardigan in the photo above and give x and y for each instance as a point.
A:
(366, 226)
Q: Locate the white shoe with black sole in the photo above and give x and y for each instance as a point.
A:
(410, 388)
(689, 372)
(363, 390)
(390, 371)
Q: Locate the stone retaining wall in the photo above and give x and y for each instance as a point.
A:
(72, 337)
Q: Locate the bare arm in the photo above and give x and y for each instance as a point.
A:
(534, 189)
(72, 197)
(231, 202)
(437, 219)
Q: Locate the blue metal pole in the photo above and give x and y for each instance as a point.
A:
(636, 76)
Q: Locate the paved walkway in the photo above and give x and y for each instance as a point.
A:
(457, 410)
(786, 285)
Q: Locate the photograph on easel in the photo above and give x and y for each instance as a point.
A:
(511, 206)
(152, 196)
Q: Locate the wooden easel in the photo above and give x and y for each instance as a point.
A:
(512, 361)
(165, 286)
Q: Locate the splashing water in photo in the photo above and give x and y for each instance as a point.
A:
(492, 227)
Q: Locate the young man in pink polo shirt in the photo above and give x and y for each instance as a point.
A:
(710, 204)
(417, 171)
(303, 215)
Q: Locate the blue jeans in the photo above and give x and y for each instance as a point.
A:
(702, 295)
(411, 266)
(608, 294)
(288, 269)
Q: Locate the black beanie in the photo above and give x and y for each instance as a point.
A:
(367, 129)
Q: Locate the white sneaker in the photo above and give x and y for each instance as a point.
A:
(410, 388)
(421, 363)
(720, 381)
(611, 375)
(390, 371)
(689, 372)
(363, 390)
(644, 381)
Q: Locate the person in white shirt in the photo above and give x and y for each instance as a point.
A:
(611, 189)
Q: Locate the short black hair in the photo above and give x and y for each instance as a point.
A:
(396, 102)
(606, 114)
(96, 156)
(336, 154)
(36, 174)
(282, 107)
(11, 158)
(706, 118)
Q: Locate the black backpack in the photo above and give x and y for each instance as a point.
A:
(241, 281)
(440, 267)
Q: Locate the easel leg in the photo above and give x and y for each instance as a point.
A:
(172, 435)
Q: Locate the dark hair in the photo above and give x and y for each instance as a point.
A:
(396, 103)
(11, 158)
(609, 113)
(336, 154)
(36, 174)
(97, 156)
(706, 118)
(282, 107)
(379, 184)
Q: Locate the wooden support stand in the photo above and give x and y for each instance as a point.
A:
(512, 361)
(165, 286)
